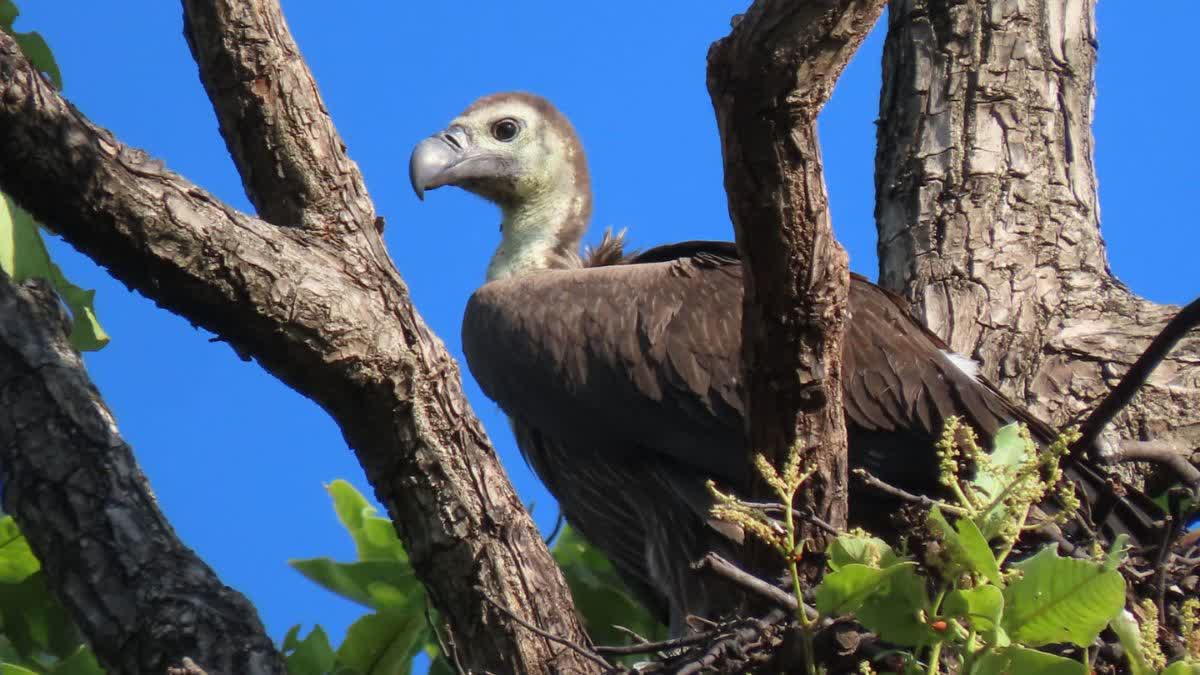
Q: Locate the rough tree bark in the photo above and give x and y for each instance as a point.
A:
(768, 80)
(144, 600)
(988, 216)
(320, 306)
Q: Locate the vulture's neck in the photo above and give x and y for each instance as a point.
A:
(541, 233)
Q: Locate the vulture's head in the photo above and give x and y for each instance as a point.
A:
(517, 151)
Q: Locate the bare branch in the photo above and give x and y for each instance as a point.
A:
(142, 598)
(332, 319)
(292, 161)
(1120, 396)
(727, 570)
(768, 80)
(1158, 452)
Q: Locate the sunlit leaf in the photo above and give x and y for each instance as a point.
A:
(982, 606)
(1182, 668)
(312, 656)
(966, 545)
(1061, 600)
(1015, 660)
(384, 585)
(1128, 634)
(383, 644)
(23, 255)
(17, 561)
(374, 537)
(862, 549)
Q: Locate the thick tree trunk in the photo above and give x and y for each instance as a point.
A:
(142, 598)
(316, 301)
(987, 210)
(768, 80)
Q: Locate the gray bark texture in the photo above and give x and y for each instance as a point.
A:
(142, 598)
(313, 296)
(988, 215)
(768, 80)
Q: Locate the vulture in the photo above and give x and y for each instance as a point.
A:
(620, 372)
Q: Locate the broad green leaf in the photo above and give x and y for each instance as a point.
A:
(82, 662)
(23, 256)
(312, 655)
(34, 46)
(897, 613)
(17, 561)
(1061, 600)
(862, 549)
(845, 590)
(888, 601)
(966, 545)
(10, 669)
(374, 537)
(1182, 668)
(33, 620)
(8, 14)
(981, 607)
(1008, 452)
(600, 596)
(383, 644)
(1128, 634)
(1015, 660)
(291, 640)
(383, 585)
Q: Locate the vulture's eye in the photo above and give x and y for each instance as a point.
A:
(506, 129)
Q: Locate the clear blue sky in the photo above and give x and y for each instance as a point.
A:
(238, 460)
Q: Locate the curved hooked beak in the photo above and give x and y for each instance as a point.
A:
(450, 158)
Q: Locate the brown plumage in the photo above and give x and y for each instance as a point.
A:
(621, 375)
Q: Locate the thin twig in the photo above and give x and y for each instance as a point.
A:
(1187, 319)
(558, 523)
(872, 481)
(450, 656)
(662, 645)
(806, 514)
(728, 570)
(578, 649)
(1159, 452)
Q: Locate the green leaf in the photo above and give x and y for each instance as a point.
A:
(34, 46)
(1129, 635)
(981, 606)
(1061, 600)
(33, 620)
(897, 614)
(82, 662)
(383, 644)
(844, 591)
(966, 545)
(374, 537)
(8, 14)
(312, 655)
(292, 639)
(600, 595)
(861, 549)
(1015, 660)
(17, 561)
(1008, 453)
(383, 585)
(10, 669)
(1182, 668)
(888, 601)
(23, 255)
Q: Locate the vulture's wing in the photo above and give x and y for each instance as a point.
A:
(646, 355)
(625, 356)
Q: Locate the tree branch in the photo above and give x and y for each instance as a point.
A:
(768, 80)
(292, 161)
(142, 598)
(1120, 396)
(331, 318)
